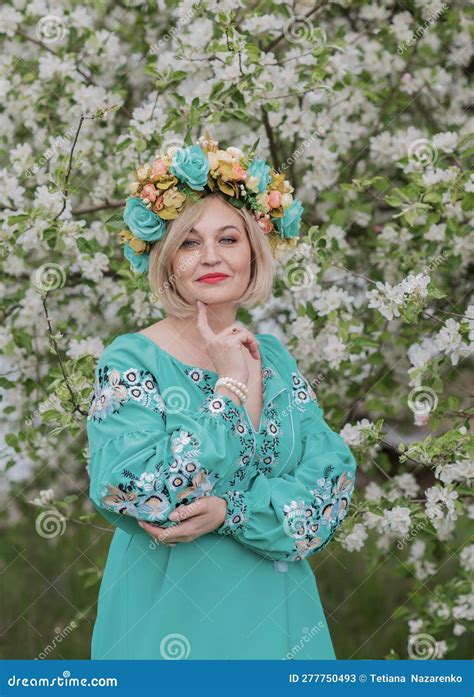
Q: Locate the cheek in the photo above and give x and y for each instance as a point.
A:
(183, 266)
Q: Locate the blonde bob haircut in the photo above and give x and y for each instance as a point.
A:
(162, 278)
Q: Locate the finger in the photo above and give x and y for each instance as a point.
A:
(178, 533)
(250, 342)
(183, 512)
(202, 323)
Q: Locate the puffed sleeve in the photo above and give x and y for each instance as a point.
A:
(149, 451)
(290, 517)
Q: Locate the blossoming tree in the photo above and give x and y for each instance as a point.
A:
(365, 106)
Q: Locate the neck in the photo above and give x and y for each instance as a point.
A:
(219, 316)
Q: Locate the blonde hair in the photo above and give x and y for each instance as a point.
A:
(160, 273)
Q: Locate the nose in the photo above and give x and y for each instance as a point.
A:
(210, 254)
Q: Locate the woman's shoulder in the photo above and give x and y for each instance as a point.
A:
(278, 350)
(131, 350)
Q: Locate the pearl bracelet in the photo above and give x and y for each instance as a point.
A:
(238, 388)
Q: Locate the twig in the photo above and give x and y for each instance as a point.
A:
(56, 349)
(69, 168)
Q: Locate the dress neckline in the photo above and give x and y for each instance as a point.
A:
(188, 366)
(266, 371)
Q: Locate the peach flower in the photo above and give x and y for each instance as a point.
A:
(274, 199)
(148, 193)
(159, 168)
(266, 225)
(239, 171)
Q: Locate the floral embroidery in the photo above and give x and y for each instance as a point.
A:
(272, 433)
(314, 524)
(113, 389)
(149, 495)
(223, 407)
(236, 513)
(302, 390)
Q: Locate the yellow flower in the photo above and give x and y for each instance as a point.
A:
(124, 236)
(278, 182)
(168, 213)
(133, 187)
(138, 246)
(166, 182)
(173, 198)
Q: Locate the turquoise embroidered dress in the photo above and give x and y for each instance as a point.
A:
(160, 437)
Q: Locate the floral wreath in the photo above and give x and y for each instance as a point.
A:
(159, 192)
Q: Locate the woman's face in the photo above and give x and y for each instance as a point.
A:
(218, 244)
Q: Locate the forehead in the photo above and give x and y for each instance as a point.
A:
(216, 216)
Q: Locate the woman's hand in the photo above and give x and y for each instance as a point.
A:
(198, 518)
(225, 347)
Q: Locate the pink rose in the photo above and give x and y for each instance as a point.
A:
(239, 171)
(148, 193)
(159, 203)
(159, 168)
(274, 199)
(266, 225)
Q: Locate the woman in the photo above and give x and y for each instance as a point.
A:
(208, 449)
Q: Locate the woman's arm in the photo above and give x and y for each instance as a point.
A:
(148, 452)
(295, 515)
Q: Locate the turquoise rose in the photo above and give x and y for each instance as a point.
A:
(139, 262)
(260, 169)
(191, 166)
(143, 223)
(289, 224)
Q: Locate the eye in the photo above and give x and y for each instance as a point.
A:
(188, 243)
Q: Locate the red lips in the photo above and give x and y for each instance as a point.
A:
(212, 277)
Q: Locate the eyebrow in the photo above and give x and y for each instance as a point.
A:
(221, 229)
